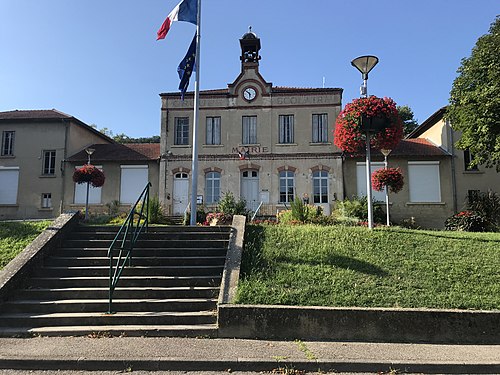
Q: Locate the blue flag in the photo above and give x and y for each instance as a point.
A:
(186, 67)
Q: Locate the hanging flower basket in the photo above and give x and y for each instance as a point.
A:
(89, 173)
(390, 177)
(378, 116)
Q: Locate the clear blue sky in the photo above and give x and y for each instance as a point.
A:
(99, 60)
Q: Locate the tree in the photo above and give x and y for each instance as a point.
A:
(409, 121)
(475, 101)
(123, 138)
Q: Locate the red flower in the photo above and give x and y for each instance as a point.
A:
(89, 173)
(390, 177)
(349, 135)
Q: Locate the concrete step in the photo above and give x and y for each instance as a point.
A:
(120, 318)
(147, 252)
(163, 243)
(96, 331)
(125, 281)
(154, 229)
(58, 261)
(99, 306)
(121, 292)
(110, 236)
(151, 271)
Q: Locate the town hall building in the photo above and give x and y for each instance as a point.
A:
(260, 142)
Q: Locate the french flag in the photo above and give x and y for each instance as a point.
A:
(186, 11)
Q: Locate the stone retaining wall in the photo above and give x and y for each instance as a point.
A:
(359, 324)
(16, 271)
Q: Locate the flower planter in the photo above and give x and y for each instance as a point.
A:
(377, 116)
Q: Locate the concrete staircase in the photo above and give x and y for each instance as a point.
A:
(171, 289)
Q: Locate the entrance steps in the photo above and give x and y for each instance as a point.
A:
(171, 288)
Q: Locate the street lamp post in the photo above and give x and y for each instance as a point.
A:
(365, 64)
(386, 153)
(89, 152)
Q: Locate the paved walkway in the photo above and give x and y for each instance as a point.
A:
(191, 354)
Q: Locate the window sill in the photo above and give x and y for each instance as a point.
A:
(181, 146)
(320, 143)
(48, 176)
(249, 145)
(425, 203)
(46, 209)
(286, 144)
(90, 204)
(473, 172)
(7, 157)
(213, 146)
(8, 205)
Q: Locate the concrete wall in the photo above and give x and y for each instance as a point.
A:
(359, 324)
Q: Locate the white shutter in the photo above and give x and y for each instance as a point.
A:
(361, 181)
(133, 181)
(9, 183)
(424, 181)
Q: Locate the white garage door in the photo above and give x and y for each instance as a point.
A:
(9, 182)
(133, 181)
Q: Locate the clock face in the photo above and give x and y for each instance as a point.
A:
(249, 93)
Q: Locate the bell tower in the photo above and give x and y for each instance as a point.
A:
(250, 47)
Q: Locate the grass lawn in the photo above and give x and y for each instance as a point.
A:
(15, 236)
(386, 267)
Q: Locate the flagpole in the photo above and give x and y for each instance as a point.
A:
(194, 161)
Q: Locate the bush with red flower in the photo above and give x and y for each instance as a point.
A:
(89, 173)
(468, 221)
(349, 134)
(390, 177)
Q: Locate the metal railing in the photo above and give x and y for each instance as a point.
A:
(125, 239)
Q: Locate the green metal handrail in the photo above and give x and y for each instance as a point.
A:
(129, 233)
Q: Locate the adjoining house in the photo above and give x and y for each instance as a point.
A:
(465, 181)
(35, 145)
(127, 168)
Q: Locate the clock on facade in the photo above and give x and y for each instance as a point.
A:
(249, 93)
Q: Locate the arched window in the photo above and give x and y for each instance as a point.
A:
(320, 186)
(212, 187)
(287, 186)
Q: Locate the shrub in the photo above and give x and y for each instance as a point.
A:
(357, 208)
(155, 211)
(201, 216)
(468, 221)
(487, 205)
(217, 218)
(113, 207)
(299, 213)
(228, 205)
